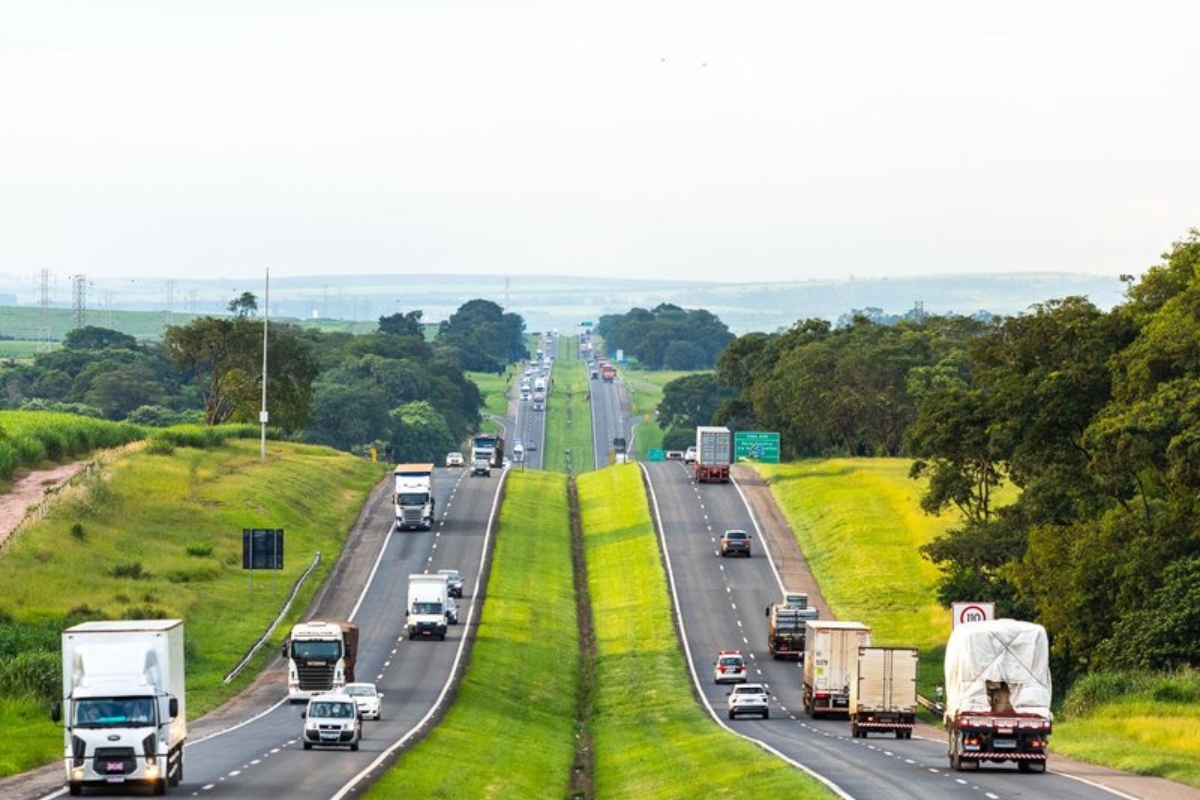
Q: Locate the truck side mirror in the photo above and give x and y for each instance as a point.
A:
(283, 649)
(56, 712)
(767, 611)
(173, 707)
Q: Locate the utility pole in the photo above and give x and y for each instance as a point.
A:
(262, 414)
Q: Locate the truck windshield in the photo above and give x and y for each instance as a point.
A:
(427, 608)
(113, 712)
(317, 651)
(413, 498)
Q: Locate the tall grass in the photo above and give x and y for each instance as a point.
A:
(161, 536)
(510, 731)
(30, 438)
(651, 738)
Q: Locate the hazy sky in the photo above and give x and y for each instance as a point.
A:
(740, 140)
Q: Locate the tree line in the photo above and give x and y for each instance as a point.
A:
(400, 391)
(1093, 416)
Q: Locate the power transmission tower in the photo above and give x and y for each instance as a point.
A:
(79, 301)
(43, 335)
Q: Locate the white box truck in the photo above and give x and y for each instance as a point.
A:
(883, 692)
(123, 707)
(430, 607)
(414, 496)
(830, 655)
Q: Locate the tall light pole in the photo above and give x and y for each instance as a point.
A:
(262, 414)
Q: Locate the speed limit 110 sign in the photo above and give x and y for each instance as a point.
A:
(973, 612)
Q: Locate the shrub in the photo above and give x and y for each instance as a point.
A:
(132, 570)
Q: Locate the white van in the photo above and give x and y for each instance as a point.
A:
(518, 453)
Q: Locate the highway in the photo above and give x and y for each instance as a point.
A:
(721, 604)
(255, 750)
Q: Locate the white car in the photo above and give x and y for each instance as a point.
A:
(367, 698)
(749, 698)
(332, 720)
(455, 459)
(689, 455)
(730, 667)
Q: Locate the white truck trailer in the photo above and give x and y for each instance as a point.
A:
(321, 655)
(714, 453)
(413, 496)
(883, 692)
(430, 607)
(123, 707)
(998, 694)
(830, 655)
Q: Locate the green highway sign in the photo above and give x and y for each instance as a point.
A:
(756, 446)
(657, 454)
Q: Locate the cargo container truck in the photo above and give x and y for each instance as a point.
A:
(998, 694)
(321, 655)
(413, 496)
(830, 654)
(123, 704)
(883, 692)
(489, 447)
(785, 625)
(430, 608)
(714, 452)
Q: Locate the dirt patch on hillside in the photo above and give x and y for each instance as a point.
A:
(33, 492)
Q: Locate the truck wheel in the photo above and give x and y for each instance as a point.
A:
(899, 733)
(308, 745)
(160, 787)
(75, 788)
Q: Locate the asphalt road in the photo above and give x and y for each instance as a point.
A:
(721, 604)
(251, 747)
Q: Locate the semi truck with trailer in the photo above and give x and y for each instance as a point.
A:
(321, 655)
(785, 625)
(607, 371)
(883, 692)
(123, 704)
(413, 496)
(714, 453)
(998, 694)
(489, 447)
(430, 608)
(830, 655)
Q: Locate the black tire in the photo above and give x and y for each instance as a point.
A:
(732, 715)
(899, 733)
(308, 745)
(160, 787)
(767, 713)
(354, 747)
(75, 788)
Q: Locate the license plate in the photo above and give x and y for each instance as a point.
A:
(1005, 744)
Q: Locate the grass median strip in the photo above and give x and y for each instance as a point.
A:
(511, 730)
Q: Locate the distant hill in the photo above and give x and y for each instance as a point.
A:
(546, 302)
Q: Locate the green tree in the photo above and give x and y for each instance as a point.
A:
(244, 305)
(692, 400)
(399, 324)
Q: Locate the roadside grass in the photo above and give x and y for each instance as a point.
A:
(161, 536)
(645, 393)
(494, 389)
(650, 737)
(568, 446)
(510, 731)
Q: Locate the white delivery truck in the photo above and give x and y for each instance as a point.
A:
(123, 707)
(883, 692)
(830, 653)
(414, 496)
(430, 607)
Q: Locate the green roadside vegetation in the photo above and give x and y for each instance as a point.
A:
(645, 393)
(494, 389)
(568, 447)
(651, 739)
(860, 524)
(156, 531)
(510, 732)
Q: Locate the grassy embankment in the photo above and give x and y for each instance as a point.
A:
(568, 446)
(859, 524)
(645, 393)
(158, 533)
